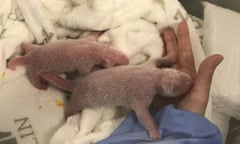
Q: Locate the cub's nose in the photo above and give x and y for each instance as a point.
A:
(185, 83)
(176, 83)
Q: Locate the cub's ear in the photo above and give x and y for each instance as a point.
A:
(25, 47)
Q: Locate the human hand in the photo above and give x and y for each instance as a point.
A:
(197, 98)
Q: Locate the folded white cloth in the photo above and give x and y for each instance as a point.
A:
(29, 114)
(223, 37)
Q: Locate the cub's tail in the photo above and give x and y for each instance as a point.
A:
(58, 81)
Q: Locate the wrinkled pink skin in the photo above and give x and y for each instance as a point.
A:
(66, 56)
(131, 86)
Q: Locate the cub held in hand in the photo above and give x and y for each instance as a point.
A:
(131, 86)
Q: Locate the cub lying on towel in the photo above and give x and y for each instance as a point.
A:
(67, 56)
(132, 86)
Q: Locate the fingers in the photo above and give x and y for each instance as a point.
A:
(186, 59)
(196, 101)
(183, 36)
(182, 40)
(170, 40)
(171, 47)
(180, 46)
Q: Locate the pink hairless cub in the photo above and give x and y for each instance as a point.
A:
(132, 86)
(82, 55)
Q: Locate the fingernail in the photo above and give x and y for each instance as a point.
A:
(219, 59)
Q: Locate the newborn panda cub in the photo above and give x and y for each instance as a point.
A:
(131, 86)
(82, 55)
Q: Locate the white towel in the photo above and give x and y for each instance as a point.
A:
(223, 37)
(28, 114)
(42, 111)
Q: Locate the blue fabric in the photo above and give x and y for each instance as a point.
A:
(176, 127)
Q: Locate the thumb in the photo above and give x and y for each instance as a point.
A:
(196, 101)
(204, 75)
